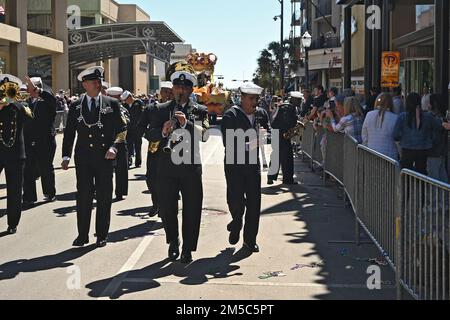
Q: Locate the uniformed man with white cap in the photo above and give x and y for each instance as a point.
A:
(166, 93)
(243, 179)
(284, 118)
(296, 98)
(13, 116)
(100, 127)
(105, 87)
(187, 176)
(135, 108)
(121, 168)
(40, 143)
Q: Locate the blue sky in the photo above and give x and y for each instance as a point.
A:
(235, 30)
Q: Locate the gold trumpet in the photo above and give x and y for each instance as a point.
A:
(10, 92)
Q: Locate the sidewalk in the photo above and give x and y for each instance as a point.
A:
(327, 231)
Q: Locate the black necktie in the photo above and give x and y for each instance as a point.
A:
(93, 106)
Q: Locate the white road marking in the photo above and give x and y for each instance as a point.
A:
(212, 281)
(127, 267)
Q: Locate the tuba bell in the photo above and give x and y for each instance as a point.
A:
(294, 132)
(10, 92)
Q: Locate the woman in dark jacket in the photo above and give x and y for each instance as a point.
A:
(436, 158)
(414, 130)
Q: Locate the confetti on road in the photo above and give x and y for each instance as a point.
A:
(275, 274)
(311, 265)
(377, 261)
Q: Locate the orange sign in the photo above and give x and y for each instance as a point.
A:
(390, 69)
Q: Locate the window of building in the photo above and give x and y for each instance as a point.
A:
(424, 16)
(415, 75)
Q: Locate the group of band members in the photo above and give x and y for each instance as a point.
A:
(27, 143)
(100, 124)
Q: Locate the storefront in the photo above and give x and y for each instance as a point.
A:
(418, 29)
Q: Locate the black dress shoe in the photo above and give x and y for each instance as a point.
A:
(174, 250)
(11, 230)
(119, 198)
(101, 243)
(234, 237)
(79, 242)
(50, 198)
(154, 211)
(186, 257)
(235, 232)
(252, 248)
(270, 182)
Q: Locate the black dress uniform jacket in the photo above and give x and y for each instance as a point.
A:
(134, 139)
(13, 116)
(42, 127)
(12, 156)
(235, 119)
(152, 154)
(197, 115)
(94, 142)
(121, 169)
(40, 145)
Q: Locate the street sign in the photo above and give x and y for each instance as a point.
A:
(390, 69)
(154, 83)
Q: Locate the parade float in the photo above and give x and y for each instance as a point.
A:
(208, 92)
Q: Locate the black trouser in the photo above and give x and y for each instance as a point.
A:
(39, 163)
(244, 196)
(134, 142)
(121, 170)
(14, 180)
(98, 177)
(286, 158)
(152, 175)
(191, 188)
(415, 160)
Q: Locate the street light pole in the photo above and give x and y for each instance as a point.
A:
(282, 71)
(306, 42)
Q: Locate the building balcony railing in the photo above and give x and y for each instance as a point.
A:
(325, 8)
(296, 19)
(324, 43)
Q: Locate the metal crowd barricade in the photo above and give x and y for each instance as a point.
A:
(334, 156)
(350, 169)
(377, 203)
(60, 121)
(423, 246)
(405, 214)
(317, 157)
(307, 140)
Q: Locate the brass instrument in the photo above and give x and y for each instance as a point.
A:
(154, 147)
(296, 131)
(10, 92)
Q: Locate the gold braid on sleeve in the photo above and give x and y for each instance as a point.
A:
(121, 137)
